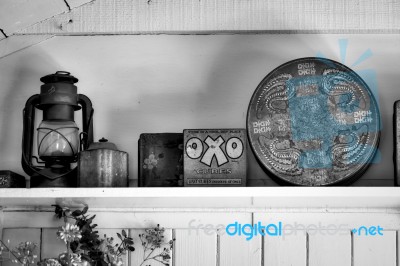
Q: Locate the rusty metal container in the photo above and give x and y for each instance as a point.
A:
(215, 157)
(9, 179)
(161, 160)
(103, 165)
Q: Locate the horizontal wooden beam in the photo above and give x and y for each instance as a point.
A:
(16, 15)
(210, 197)
(207, 16)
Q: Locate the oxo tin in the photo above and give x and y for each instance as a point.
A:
(313, 122)
(214, 157)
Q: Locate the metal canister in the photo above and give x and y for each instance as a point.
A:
(103, 165)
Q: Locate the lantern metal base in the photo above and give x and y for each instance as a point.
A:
(65, 180)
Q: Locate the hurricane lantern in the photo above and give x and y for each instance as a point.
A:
(58, 138)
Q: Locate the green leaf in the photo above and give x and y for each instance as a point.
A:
(85, 209)
(76, 213)
(74, 246)
(119, 236)
(131, 248)
(124, 233)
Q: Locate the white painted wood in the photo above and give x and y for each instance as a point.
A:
(77, 3)
(1, 222)
(52, 246)
(138, 257)
(246, 197)
(137, 219)
(195, 248)
(237, 251)
(196, 74)
(337, 221)
(398, 248)
(16, 43)
(375, 250)
(327, 249)
(285, 250)
(13, 237)
(18, 14)
(155, 16)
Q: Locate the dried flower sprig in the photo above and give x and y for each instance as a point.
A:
(92, 248)
(74, 259)
(25, 253)
(49, 262)
(153, 240)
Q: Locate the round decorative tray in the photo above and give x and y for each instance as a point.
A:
(313, 122)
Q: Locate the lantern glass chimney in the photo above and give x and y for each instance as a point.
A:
(58, 140)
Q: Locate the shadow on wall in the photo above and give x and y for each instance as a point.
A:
(23, 82)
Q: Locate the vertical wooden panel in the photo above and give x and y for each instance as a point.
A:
(237, 251)
(18, 235)
(1, 222)
(195, 248)
(52, 246)
(285, 250)
(138, 256)
(375, 250)
(329, 250)
(397, 248)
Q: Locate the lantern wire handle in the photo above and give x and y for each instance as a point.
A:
(84, 135)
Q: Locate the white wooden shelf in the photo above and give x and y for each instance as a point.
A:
(238, 197)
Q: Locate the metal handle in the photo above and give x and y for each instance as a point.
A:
(63, 72)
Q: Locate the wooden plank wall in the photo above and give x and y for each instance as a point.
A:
(204, 245)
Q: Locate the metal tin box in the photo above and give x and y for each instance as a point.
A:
(9, 179)
(215, 157)
(161, 160)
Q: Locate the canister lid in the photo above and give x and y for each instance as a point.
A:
(103, 144)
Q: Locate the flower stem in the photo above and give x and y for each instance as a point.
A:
(68, 257)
